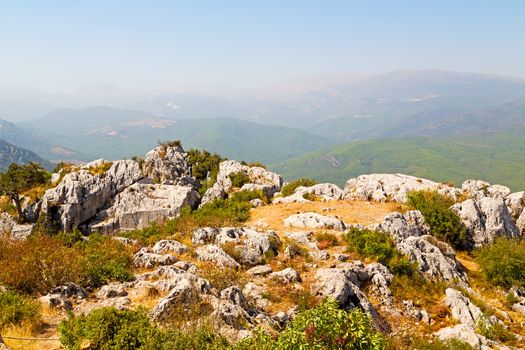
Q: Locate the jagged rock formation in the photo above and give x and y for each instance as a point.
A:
(391, 187)
(140, 205)
(314, 220)
(259, 179)
(486, 219)
(323, 192)
(410, 234)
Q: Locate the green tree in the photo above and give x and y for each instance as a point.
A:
(20, 178)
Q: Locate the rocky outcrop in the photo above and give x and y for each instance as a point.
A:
(391, 187)
(434, 258)
(466, 333)
(410, 234)
(140, 204)
(486, 219)
(259, 179)
(168, 164)
(286, 276)
(314, 220)
(62, 297)
(477, 189)
(462, 309)
(216, 255)
(83, 193)
(340, 284)
(401, 226)
(143, 258)
(185, 289)
(323, 192)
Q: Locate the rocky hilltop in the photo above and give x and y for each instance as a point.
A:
(293, 249)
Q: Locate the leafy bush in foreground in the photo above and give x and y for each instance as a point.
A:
(503, 262)
(109, 328)
(324, 327)
(16, 310)
(379, 246)
(112, 329)
(290, 187)
(444, 223)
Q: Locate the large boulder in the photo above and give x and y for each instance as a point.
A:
(401, 226)
(270, 182)
(314, 220)
(391, 187)
(466, 333)
(168, 164)
(216, 255)
(82, 194)
(486, 219)
(462, 309)
(185, 289)
(434, 258)
(340, 284)
(324, 192)
(478, 189)
(140, 204)
(516, 204)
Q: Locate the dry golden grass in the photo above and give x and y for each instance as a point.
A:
(351, 212)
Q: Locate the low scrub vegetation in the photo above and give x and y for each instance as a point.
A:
(204, 167)
(326, 240)
(324, 327)
(290, 187)
(17, 310)
(238, 179)
(412, 343)
(502, 262)
(495, 331)
(43, 262)
(378, 246)
(444, 223)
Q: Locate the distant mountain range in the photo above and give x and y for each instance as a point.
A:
(114, 134)
(386, 113)
(13, 154)
(498, 158)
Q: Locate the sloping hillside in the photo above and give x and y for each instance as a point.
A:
(114, 134)
(498, 158)
(13, 154)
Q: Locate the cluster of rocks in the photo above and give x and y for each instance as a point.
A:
(109, 197)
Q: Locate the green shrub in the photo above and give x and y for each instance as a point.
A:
(106, 260)
(494, 331)
(444, 223)
(204, 167)
(16, 310)
(198, 337)
(502, 262)
(289, 188)
(378, 245)
(111, 329)
(324, 327)
(238, 179)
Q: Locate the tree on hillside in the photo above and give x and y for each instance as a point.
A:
(20, 178)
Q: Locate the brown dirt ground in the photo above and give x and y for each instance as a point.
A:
(351, 212)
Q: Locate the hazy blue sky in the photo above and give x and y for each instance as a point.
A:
(62, 44)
